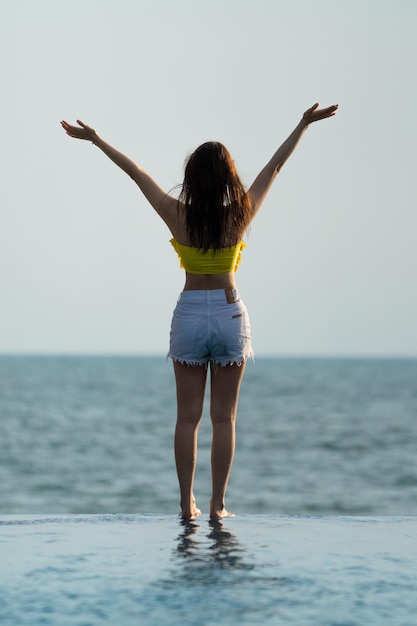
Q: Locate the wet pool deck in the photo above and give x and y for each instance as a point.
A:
(151, 569)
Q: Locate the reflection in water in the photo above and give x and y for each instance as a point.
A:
(204, 557)
(187, 546)
(213, 576)
(225, 548)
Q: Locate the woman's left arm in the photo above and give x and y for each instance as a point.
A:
(267, 175)
(164, 204)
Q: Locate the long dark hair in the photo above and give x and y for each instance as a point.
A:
(217, 208)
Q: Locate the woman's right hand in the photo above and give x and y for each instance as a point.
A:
(314, 114)
(80, 132)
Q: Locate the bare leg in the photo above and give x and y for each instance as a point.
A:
(225, 386)
(191, 382)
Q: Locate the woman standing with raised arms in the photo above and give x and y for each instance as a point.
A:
(210, 325)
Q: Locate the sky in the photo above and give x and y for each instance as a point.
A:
(85, 263)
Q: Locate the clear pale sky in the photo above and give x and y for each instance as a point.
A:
(331, 262)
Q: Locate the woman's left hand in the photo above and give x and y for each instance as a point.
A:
(80, 132)
(314, 114)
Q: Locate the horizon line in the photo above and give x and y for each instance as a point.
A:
(159, 355)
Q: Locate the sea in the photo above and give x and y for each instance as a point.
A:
(324, 488)
(94, 435)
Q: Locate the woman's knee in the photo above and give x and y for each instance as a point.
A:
(189, 415)
(222, 415)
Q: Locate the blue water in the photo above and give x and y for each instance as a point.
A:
(151, 570)
(323, 481)
(314, 436)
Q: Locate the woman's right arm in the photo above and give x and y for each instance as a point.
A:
(164, 204)
(267, 175)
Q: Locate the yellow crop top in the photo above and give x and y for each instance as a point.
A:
(194, 261)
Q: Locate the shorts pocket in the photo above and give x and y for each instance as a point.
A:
(183, 335)
(234, 329)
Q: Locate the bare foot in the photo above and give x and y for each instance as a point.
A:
(191, 513)
(190, 516)
(220, 514)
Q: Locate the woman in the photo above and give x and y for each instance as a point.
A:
(210, 324)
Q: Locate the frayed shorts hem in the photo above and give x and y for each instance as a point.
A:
(215, 362)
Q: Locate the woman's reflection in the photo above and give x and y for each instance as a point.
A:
(206, 556)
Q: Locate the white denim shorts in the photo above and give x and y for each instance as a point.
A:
(210, 326)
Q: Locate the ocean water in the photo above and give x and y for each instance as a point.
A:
(93, 435)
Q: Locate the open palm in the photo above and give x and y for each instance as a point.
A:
(79, 132)
(314, 114)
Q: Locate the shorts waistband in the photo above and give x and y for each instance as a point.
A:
(210, 295)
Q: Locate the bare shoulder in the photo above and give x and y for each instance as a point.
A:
(172, 212)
